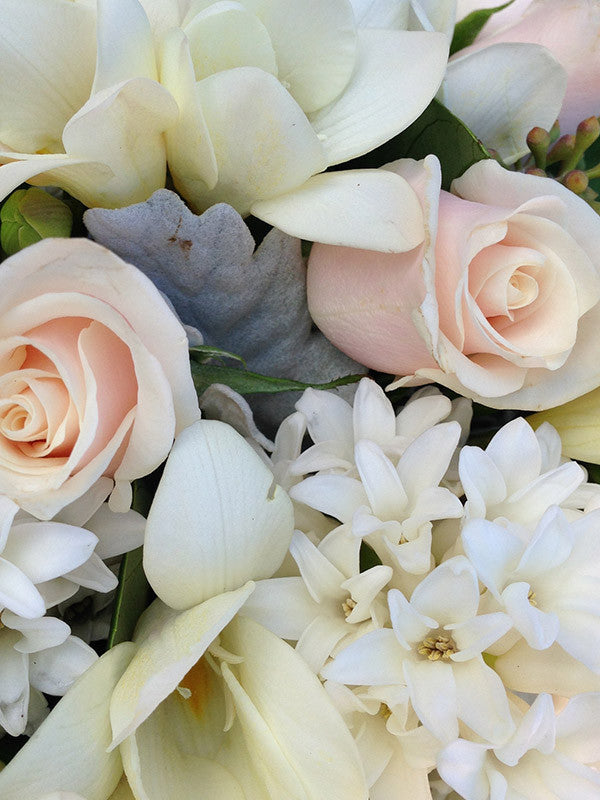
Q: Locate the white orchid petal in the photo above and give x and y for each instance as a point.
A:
(396, 75)
(387, 497)
(577, 729)
(47, 70)
(533, 86)
(433, 696)
(489, 714)
(18, 593)
(321, 577)
(125, 45)
(328, 417)
(37, 634)
(275, 150)
(336, 495)
(523, 669)
(56, 669)
(49, 761)
(164, 658)
(94, 574)
(282, 605)
(243, 529)
(325, 757)
(355, 665)
(311, 211)
(426, 460)
(315, 44)
(117, 532)
(493, 551)
(190, 152)
(449, 594)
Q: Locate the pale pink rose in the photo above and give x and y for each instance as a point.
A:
(94, 375)
(570, 29)
(500, 303)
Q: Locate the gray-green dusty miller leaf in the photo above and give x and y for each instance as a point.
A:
(250, 303)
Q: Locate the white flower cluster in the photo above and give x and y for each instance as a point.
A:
(468, 658)
(44, 564)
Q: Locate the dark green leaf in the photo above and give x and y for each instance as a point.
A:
(368, 557)
(30, 215)
(204, 352)
(133, 596)
(436, 131)
(10, 746)
(246, 382)
(133, 593)
(465, 31)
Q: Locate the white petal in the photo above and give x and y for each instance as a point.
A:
(165, 656)
(384, 489)
(304, 725)
(68, 751)
(46, 550)
(282, 605)
(554, 671)
(56, 669)
(493, 551)
(482, 701)
(577, 729)
(311, 211)
(328, 417)
(18, 593)
(94, 574)
(373, 414)
(396, 75)
(319, 640)
(449, 594)
(462, 766)
(37, 634)
(117, 532)
(516, 452)
(530, 85)
(375, 659)
(481, 479)
(264, 144)
(80, 511)
(477, 634)
(335, 495)
(322, 579)
(14, 685)
(242, 531)
(47, 63)
(190, 152)
(409, 626)
(433, 695)
(425, 461)
(125, 45)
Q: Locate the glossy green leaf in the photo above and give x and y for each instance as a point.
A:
(245, 382)
(436, 131)
(133, 592)
(466, 31)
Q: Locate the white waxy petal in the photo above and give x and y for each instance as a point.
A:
(47, 62)
(117, 532)
(364, 589)
(384, 489)
(533, 85)
(46, 550)
(449, 594)
(523, 669)
(125, 45)
(225, 35)
(18, 593)
(577, 729)
(373, 414)
(165, 656)
(81, 510)
(37, 634)
(94, 574)
(8, 511)
(462, 766)
(190, 153)
(242, 531)
(535, 730)
(409, 626)
(282, 605)
(355, 665)
(335, 495)
(305, 727)
(315, 45)
(397, 73)
(328, 417)
(14, 685)
(56, 669)
(381, 13)
(481, 479)
(552, 488)
(311, 211)
(476, 635)
(550, 546)
(426, 460)
(50, 761)
(422, 413)
(482, 701)
(320, 638)
(433, 696)
(493, 551)
(322, 578)
(516, 452)
(273, 151)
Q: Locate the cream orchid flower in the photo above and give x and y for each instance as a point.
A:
(80, 104)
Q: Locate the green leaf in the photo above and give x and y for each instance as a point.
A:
(465, 31)
(133, 593)
(245, 382)
(30, 215)
(204, 352)
(436, 131)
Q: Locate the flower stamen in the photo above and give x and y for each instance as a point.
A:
(437, 647)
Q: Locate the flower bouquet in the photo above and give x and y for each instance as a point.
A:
(299, 400)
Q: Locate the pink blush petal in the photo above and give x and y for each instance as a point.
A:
(364, 303)
(109, 362)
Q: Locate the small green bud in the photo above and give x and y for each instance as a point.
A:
(587, 133)
(536, 171)
(576, 180)
(562, 149)
(30, 215)
(538, 141)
